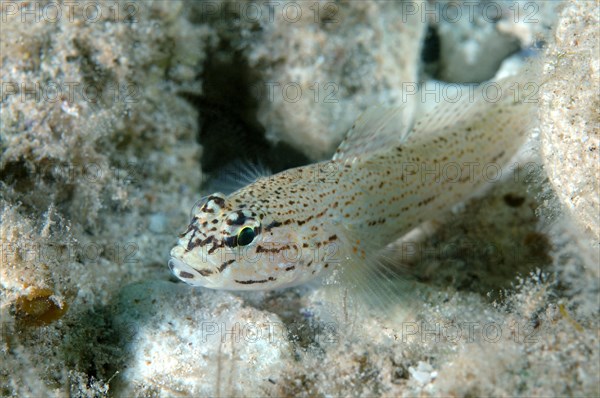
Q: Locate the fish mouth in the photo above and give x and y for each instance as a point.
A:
(189, 275)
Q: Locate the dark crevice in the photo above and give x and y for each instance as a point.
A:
(229, 129)
(18, 175)
(430, 53)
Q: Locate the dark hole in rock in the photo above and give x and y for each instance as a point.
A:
(513, 200)
(17, 175)
(229, 131)
(430, 53)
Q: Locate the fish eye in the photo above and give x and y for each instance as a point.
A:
(245, 236)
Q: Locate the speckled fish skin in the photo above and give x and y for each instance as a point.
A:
(384, 180)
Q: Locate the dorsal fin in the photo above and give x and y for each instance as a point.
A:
(376, 128)
(237, 174)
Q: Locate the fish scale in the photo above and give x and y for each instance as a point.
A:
(385, 179)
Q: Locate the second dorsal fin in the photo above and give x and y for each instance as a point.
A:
(376, 128)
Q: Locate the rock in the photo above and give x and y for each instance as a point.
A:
(196, 342)
(570, 114)
(317, 66)
(423, 373)
(476, 37)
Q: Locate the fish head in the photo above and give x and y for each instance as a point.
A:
(234, 243)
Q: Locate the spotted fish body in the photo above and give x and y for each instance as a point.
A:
(385, 179)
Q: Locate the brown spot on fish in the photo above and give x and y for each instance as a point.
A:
(261, 249)
(230, 241)
(426, 201)
(272, 225)
(240, 219)
(214, 247)
(225, 265)
(216, 200)
(302, 222)
(186, 275)
(250, 281)
(498, 156)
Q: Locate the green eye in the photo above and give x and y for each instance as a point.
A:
(245, 236)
